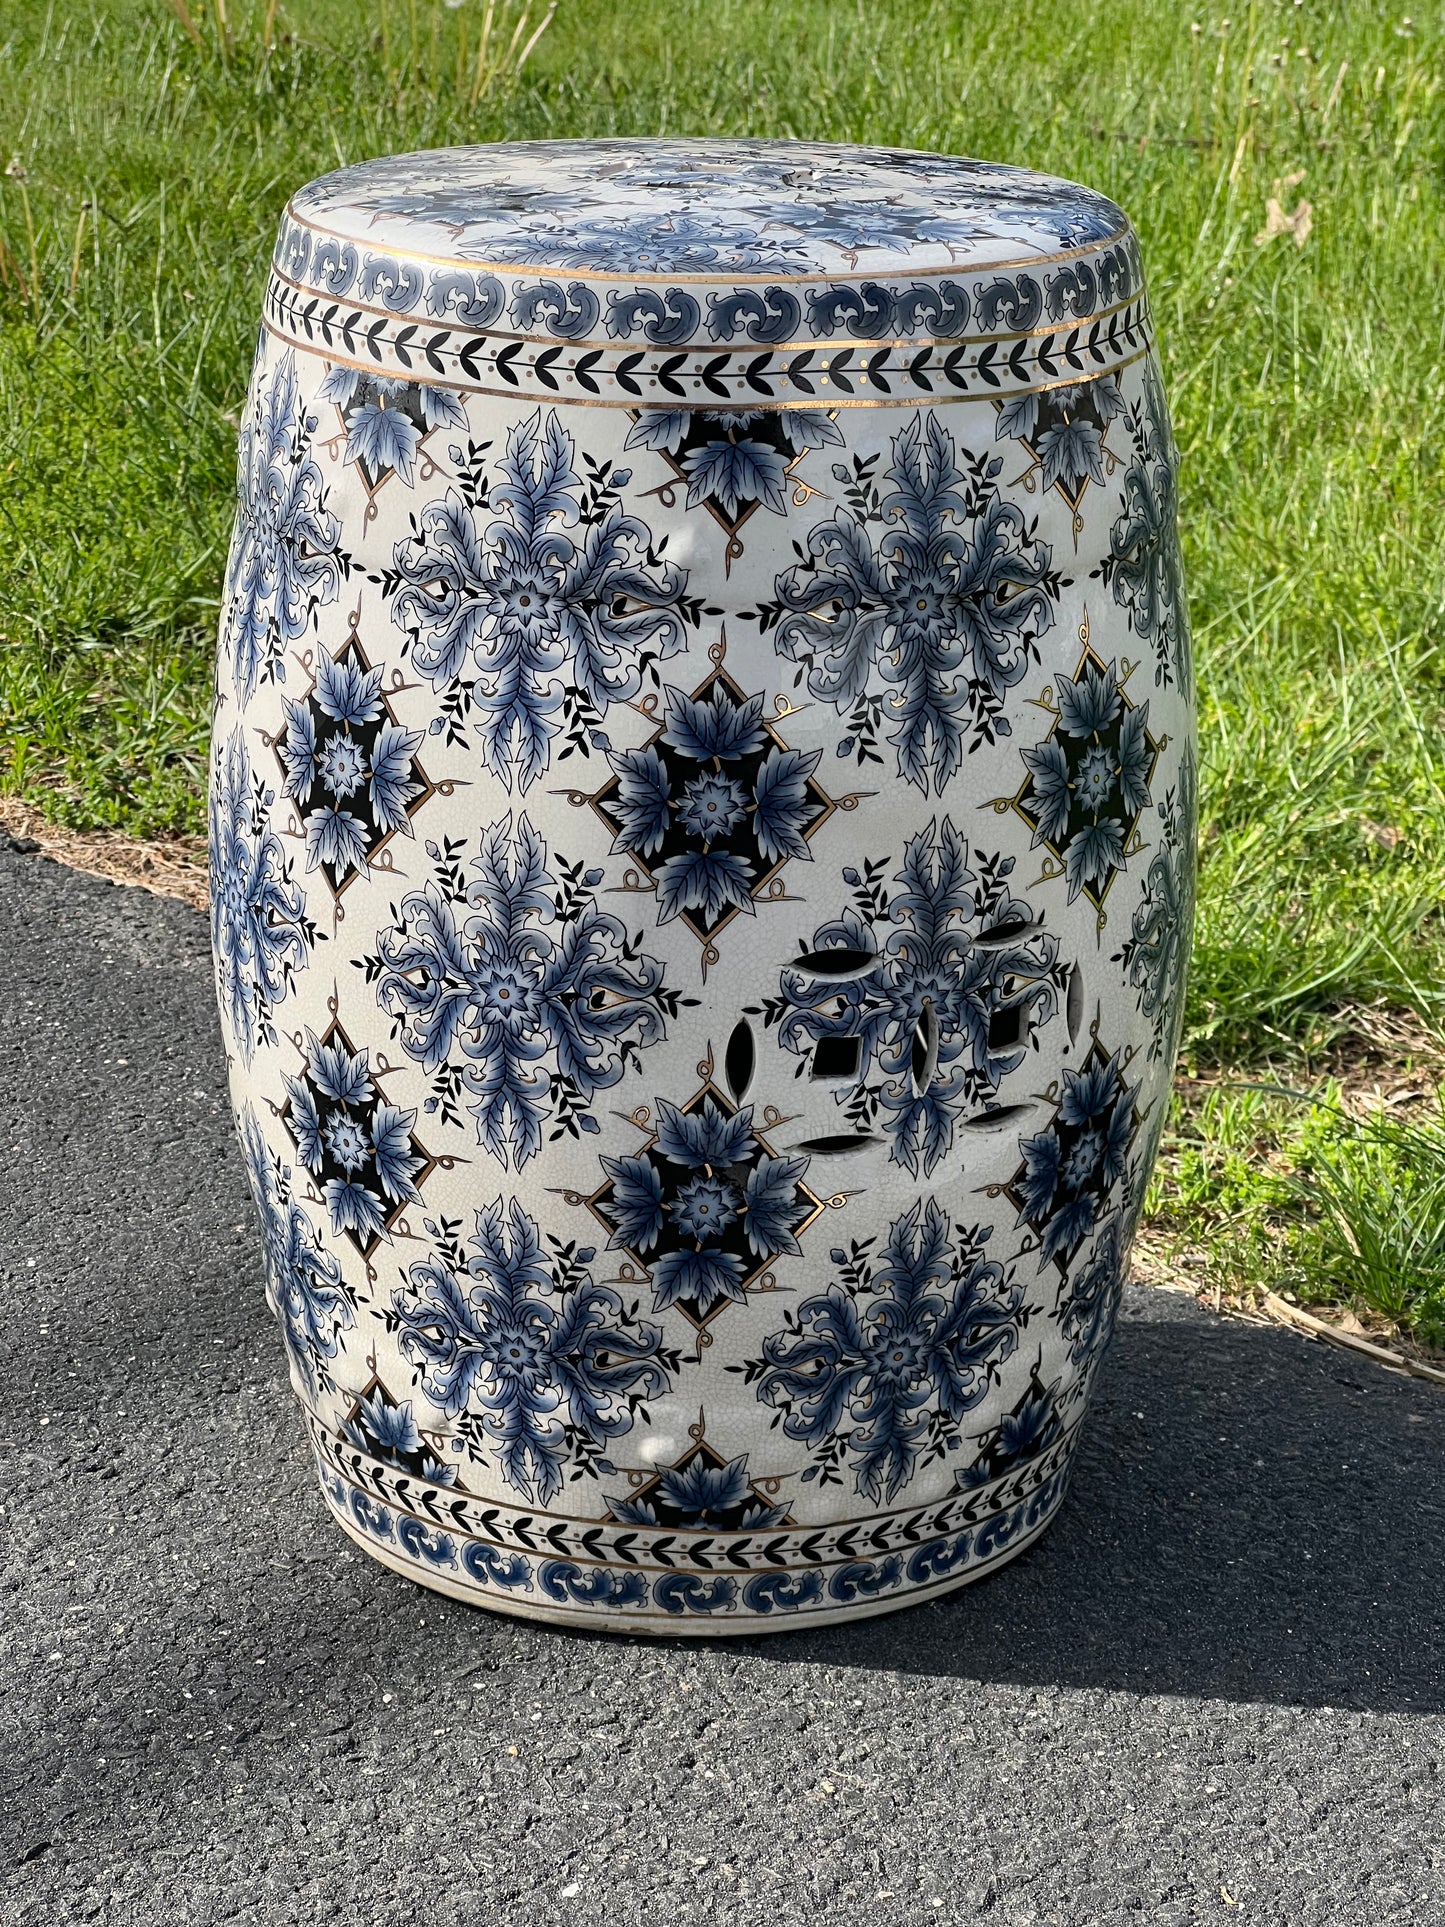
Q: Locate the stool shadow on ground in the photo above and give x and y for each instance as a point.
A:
(1253, 1518)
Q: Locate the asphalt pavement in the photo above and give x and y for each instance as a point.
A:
(1215, 1690)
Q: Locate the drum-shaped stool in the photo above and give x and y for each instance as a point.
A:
(702, 819)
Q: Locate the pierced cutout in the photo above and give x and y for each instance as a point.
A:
(1075, 1002)
(739, 1059)
(996, 1119)
(1006, 1028)
(1009, 931)
(835, 1057)
(833, 1147)
(835, 963)
(924, 1056)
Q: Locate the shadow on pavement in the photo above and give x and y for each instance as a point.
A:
(1254, 1518)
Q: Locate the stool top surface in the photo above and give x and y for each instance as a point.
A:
(705, 209)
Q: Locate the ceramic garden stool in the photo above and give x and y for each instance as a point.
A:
(702, 818)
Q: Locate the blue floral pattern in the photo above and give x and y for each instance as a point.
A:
(349, 768)
(311, 1299)
(386, 1429)
(643, 207)
(878, 1372)
(1088, 781)
(951, 965)
(705, 1206)
(712, 806)
(566, 573)
(260, 933)
(385, 421)
(1062, 1189)
(1024, 1433)
(1155, 954)
(536, 1365)
(530, 602)
(358, 1147)
(1143, 567)
(701, 1493)
(1089, 1298)
(286, 559)
(524, 1021)
(1064, 431)
(735, 460)
(946, 601)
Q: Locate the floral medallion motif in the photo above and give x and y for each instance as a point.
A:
(311, 1299)
(712, 807)
(286, 558)
(386, 1429)
(261, 936)
(940, 585)
(1143, 566)
(719, 207)
(734, 461)
(702, 1492)
(1064, 431)
(349, 767)
(358, 1148)
(514, 992)
(1088, 781)
(385, 424)
(1062, 1188)
(536, 1367)
(1156, 951)
(705, 1206)
(916, 1003)
(877, 1373)
(1089, 1297)
(545, 615)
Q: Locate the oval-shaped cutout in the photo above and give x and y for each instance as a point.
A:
(833, 1147)
(1074, 1003)
(835, 963)
(923, 1058)
(996, 1119)
(739, 1059)
(1011, 930)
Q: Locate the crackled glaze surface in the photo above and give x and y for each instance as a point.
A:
(702, 811)
(705, 207)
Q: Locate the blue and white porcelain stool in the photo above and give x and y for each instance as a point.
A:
(702, 823)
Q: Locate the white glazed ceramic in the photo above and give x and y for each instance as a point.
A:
(702, 813)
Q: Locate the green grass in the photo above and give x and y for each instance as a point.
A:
(1307, 383)
(1295, 1192)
